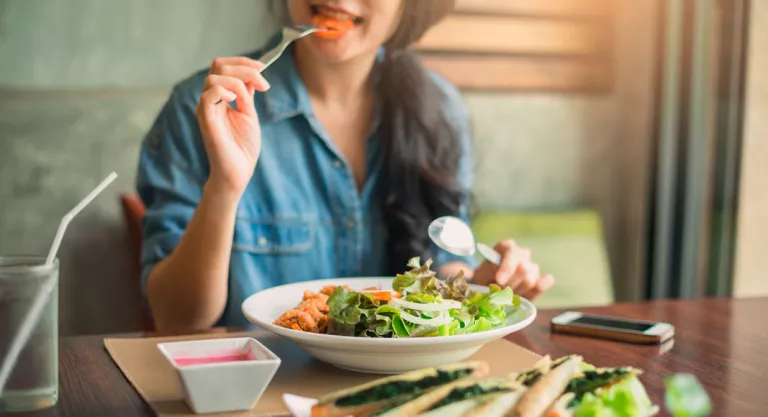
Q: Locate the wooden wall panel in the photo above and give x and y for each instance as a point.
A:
(509, 45)
(512, 35)
(504, 73)
(551, 8)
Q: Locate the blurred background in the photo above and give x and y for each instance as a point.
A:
(620, 140)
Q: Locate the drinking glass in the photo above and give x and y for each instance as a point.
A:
(33, 382)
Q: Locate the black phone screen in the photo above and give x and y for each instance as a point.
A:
(632, 326)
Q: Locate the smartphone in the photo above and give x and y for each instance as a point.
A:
(612, 328)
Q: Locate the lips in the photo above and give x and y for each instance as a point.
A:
(335, 13)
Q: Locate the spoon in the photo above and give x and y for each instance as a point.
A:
(455, 236)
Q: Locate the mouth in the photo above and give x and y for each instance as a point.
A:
(334, 13)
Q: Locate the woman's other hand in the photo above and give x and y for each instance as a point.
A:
(232, 136)
(516, 271)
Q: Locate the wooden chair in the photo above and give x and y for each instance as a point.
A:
(133, 213)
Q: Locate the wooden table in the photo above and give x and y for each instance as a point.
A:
(721, 341)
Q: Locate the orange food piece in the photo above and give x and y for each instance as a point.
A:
(335, 28)
(311, 315)
(327, 290)
(380, 295)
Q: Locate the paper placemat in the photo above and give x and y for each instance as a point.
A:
(157, 383)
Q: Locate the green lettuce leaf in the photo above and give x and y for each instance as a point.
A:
(685, 397)
(385, 321)
(406, 284)
(388, 310)
(399, 327)
(421, 298)
(382, 326)
(424, 331)
(478, 325)
(419, 279)
(414, 263)
(493, 305)
(344, 306)
(462, 317)
(454, 327)
(366, 314)
(340, 329)
(628, 398)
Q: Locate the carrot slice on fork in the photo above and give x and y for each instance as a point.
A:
(335, 28)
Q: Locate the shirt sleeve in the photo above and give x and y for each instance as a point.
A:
(457, 113)
(171, 173)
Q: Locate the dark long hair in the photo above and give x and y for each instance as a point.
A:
(422, 148)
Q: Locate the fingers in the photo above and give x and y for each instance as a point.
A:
(238, 75)
(525, 276)
(213, 95)
(544, 283)
(207, 110)
(236, 86)
(512, 256)
(485, 274)
(516, 271)
(519, 272)
(248, 74)
(220, 62)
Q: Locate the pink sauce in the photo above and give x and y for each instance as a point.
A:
(236, 357)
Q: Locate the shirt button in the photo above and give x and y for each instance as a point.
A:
(337, 163)
(351, 224)
(262, 241)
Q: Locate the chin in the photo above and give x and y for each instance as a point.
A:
(332, 50)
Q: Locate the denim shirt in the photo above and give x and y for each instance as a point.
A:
(301, 217)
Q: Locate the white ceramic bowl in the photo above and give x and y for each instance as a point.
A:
(373, 355)
(226, 384)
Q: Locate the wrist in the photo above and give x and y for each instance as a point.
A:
(222, 193)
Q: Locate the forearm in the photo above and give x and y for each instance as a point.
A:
(188, 289)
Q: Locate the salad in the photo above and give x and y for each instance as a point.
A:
(418, 305)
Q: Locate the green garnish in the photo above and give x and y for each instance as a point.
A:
(465, 393)
(593, 380)
(395, 389)
(685, 397)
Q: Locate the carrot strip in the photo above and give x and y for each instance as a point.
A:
(382, 295)
(335, 28)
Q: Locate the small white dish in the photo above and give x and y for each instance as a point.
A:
(220, 375)
(373, 355)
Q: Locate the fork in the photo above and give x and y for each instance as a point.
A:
(290, 34)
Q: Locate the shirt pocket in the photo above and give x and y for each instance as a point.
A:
(275, 236)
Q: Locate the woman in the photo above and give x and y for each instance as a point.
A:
(329, 163)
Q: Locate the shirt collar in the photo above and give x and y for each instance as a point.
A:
(288, 95)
